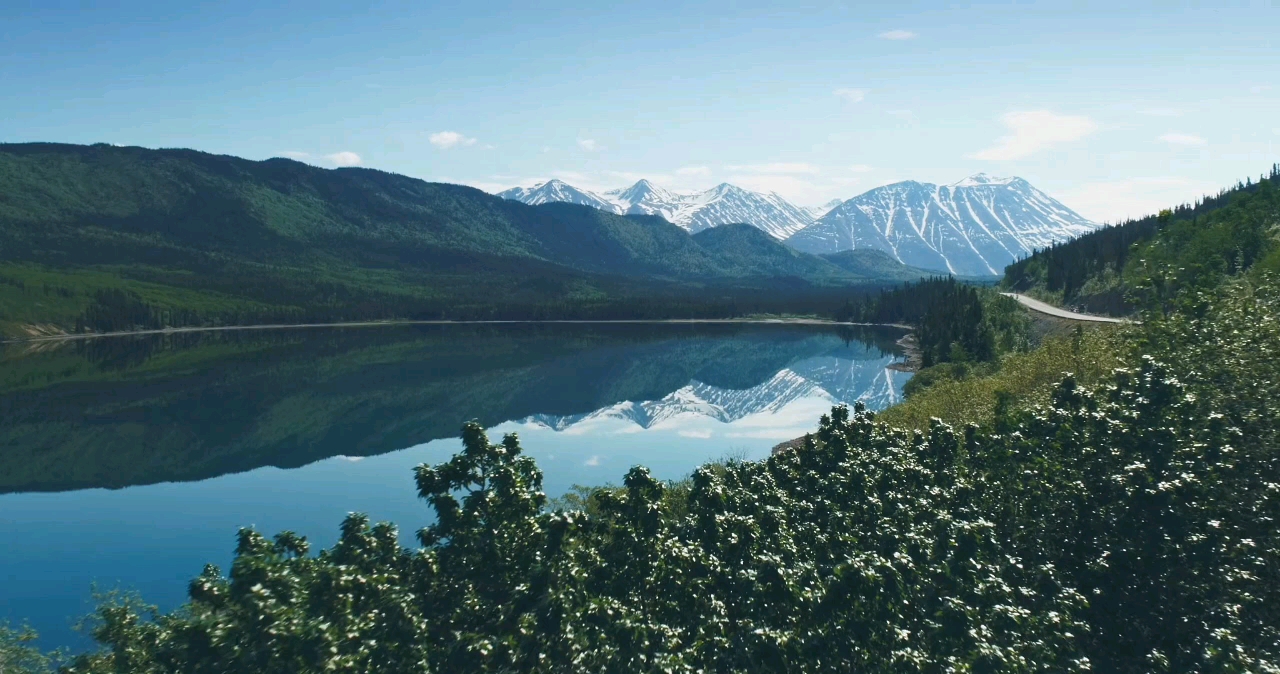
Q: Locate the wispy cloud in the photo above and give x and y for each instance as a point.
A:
(1031, 131)
(860, 168)
(593, 461)
(693, 171)
(851, 95)
(588, 144)
(1259, 88)
(896, 35)
(344, 158)
(449, 139)
(1160, 112)
(1181, 139)
(784, 168)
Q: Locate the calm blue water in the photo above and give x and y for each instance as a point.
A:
(132, 463)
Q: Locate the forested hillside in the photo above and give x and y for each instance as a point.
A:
(953, 321)
(1214, 236)
(106, 238)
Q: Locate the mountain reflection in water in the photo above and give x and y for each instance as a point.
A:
(132, 462)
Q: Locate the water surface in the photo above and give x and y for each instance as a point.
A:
(132, 462)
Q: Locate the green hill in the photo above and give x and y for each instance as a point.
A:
(1118, 269)
(104, 237)
(877, 264)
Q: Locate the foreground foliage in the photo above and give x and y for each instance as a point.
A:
(1124, 528)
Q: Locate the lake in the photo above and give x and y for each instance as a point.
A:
(131, 462)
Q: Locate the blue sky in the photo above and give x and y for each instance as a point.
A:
(1115, 108)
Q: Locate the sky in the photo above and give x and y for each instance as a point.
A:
(1117, 109)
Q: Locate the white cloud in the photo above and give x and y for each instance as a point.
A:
(693, 171)
(1033, 130)
(700, 433)
(851, 95)
(447, 139)
(785, 168)
(588, 144)
(896, 35)
(294, 154)
(344, 158)
(593, 461)
(1181, 139)
(1260, 88)
(1114, 201)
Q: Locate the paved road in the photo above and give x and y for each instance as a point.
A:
(1049, 309)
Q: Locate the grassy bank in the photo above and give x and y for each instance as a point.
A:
(972, 393)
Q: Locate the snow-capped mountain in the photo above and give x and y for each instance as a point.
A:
(557, 190)
(834, 380)
(973, 227)
(694, 211)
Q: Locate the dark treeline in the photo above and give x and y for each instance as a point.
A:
(119, 311)
(1066, 267)
(954, 321)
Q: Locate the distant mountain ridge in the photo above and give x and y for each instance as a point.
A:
(974, 227)
(693, 211)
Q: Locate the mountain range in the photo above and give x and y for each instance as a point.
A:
(970, 228)
(694, 212)
(111, 238)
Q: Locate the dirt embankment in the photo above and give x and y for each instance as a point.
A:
(911, 349)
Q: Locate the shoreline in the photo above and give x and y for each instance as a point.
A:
(370, 324)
